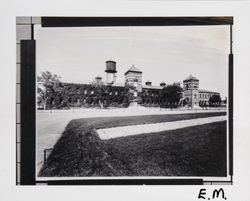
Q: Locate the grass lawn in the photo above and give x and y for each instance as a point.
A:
(192, 151)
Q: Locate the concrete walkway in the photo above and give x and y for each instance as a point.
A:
(122, 131)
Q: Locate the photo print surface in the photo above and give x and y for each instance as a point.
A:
(132, 102)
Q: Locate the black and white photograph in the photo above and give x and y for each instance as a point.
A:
(124, 100)
(132, 101)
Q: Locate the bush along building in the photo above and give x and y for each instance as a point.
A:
(53, 94)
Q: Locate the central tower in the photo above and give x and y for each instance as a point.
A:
(133, 77)
(191, 91)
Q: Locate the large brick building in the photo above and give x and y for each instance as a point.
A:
(192, 95)
(143, 93)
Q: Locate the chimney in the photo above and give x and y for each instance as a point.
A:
(148, 83)
(163, 84)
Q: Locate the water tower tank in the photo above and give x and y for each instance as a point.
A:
(110, 67)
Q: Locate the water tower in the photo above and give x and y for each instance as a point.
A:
(110, 72)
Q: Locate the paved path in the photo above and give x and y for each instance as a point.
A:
(122, 131)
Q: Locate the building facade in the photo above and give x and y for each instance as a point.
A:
(193, 96)
(133, 78)
(191, 91)
(205, 95)
(117, 93)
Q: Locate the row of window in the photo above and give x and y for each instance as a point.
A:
(93, 92)
(146, 93)
(150, 93)
(205, 95)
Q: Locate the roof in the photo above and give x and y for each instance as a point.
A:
(98, 77)
(78, 83)
(191, 77)
(151, 87)
(207, 91)
(133, 69)
(115, 84)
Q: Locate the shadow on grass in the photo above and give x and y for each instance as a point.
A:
(192, 151)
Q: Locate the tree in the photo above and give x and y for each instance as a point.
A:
(48, 88)
(100, 93)
(184, 103)
(171, 94)
(215, 100)
(225, 101)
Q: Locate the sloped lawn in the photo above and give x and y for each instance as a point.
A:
(192, 151)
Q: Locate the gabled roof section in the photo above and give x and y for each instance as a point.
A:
(191, 77)
(133, 69)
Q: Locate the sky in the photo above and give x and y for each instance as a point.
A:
(169, 53)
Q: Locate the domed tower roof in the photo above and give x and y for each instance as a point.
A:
(190, 77)
(133, 69)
